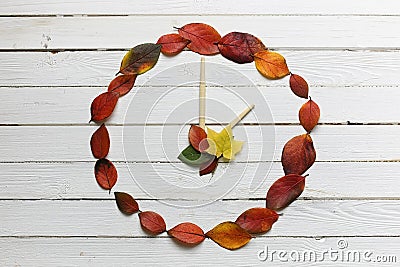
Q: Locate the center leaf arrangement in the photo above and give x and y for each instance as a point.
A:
(205, 149)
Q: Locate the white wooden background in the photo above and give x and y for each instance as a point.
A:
(56, 56)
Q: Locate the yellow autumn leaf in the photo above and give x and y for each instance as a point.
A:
(222, 143)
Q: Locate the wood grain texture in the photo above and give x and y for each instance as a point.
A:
(69, 105)
(327, 68)
(102, 218)
(126, 32)
(182, 7)
(329, 180)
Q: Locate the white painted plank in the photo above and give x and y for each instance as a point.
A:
(164, 252)
(333, 143)
(70, 105)
(178, 7)
(102, 218)
(128, 31)
(76, 180)
(327, 68)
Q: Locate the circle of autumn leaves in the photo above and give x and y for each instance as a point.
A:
(298, 154)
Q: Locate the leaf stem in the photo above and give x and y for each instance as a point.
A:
(202, 95)
(241, 116)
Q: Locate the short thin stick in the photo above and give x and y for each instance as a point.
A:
(202, 95)
(241, 116)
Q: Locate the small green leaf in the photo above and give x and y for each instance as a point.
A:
(192, 157)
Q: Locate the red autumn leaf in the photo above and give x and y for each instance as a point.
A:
(103, 106)
(203, 38)
(125, 202)
(187, 233)
(298, 85)
(240, 47)
(271, 64)
(122, 84)
(298, 154)
(309, 115)
(229, 235)
(257, 220)
(209, 166)
(100, 142)
(198, 138)
(105, 173)
(284, 191)
(152, 222)
(140, 59)
(172, 44)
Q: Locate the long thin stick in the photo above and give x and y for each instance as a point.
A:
(241, 116)
(202, 95)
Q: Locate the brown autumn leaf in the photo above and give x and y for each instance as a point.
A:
(152, 222)
(271, 64)
(198, 138)
(203, 38)
(105, 173)
(122, 84)
(188, 233)
(140, 59)
(229, 235)
(298, 85)
(240, 47)
(172, 44)
(103, 106)
(100, 142)
(284, 191)
(298, 154)
(257, 220)
(309, 115)
(209, 166)
(125, 202)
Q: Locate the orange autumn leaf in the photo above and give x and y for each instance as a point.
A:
(126, 203)
(105, 173)
(103, 106)
(257, 220)
(140, 59)
(203, 38)
(100, 142)
(271, 64)
(229, 235)
(187, 233)
(152, 222)
(309, 115)
(298, 154)
(240, 47)
(172, 44)
(122, 84)
(298, 85)
(198, 138)
(284, 191)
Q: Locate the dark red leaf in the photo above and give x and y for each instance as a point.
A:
(198, 138)
(208, 167)
(105, 173)
(100, 142)
(152, 222)
(203, 38)
(298, 85)
(125, 202)
(298, 154)
(284, 191)
(257, 220)
(187, 233)
(309, 115)
(122, 84)
(172, 44)
(103, 106)
(240, 47)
